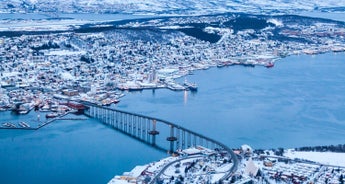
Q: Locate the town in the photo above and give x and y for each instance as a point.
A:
(202, 165)
(98, 64)
(53, 66)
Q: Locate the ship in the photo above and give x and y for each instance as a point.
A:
(247, 64)
(269, 65)
(23, 111)
(190, 86)
(174, 86)
(52, 115)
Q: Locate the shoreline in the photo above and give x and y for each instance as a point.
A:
(265, 167)
(134, 63)
(104, 88)
(173, 85)
(40, 124)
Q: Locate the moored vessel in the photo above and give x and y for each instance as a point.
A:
(190, 86)
(52, 115)
(9, 125)
(24, 124)
(269, 65)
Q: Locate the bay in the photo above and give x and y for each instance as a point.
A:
(298, 102)
(65, 151)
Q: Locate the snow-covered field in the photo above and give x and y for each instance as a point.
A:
(329, 158)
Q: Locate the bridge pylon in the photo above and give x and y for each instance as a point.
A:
(171, 139)
(154, 131)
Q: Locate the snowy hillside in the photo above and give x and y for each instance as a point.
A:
(167, 6)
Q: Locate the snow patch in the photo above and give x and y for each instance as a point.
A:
(64, 53)
(175, 27)
(67, 75)
(276, 22)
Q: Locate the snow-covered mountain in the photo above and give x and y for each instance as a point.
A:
(167, 6)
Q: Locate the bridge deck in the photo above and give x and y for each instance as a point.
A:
(159, 133)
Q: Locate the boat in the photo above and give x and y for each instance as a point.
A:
(115, 101)
(45, 108)
(108, 101)
(52, 115)
(225, 63)
(54, 108)
(23, 112)
(269, 65)
(105, 103)
(220, 65)
(24, 125)
(9, 125)
(190, 86)
(175, 87)
(134, 88)
(247, 64)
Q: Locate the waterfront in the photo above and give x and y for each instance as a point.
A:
(299, 102)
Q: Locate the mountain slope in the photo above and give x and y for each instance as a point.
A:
(166, 6)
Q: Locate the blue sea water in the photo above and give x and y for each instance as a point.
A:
(83, 151)
(299, 102)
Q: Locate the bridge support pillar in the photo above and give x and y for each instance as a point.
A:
(171, 139)
(153, 132)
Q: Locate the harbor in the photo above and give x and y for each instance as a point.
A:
(190, 89)
(100, 67)
(48, 117)
(57, 143)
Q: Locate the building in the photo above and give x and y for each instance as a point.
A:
(70, 92)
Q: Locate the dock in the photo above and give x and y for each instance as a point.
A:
(27, 126)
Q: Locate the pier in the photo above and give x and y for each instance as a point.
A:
(41, 123)
(161, 134)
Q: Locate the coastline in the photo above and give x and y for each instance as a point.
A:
(134, 65)
(99, 95)
(264, 166)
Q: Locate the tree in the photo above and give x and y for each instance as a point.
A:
(341, 179)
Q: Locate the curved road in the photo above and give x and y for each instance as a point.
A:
(226, 176)
(169, 164)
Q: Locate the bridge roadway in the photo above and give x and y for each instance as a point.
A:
(139, 127)
(170, 164)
